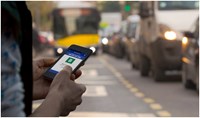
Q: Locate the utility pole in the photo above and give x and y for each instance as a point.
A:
(122, 3)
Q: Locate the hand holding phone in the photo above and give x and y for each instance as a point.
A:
(74, 56)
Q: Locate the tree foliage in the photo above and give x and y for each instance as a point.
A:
(111, 6)
(41, 11)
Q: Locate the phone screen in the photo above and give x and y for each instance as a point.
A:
(71, 57)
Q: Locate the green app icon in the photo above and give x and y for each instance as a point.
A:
(70, 60)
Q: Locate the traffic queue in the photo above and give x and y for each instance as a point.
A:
(156, 43)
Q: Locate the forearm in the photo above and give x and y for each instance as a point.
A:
(51, 107)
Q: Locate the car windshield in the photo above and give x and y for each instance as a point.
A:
(178, 5)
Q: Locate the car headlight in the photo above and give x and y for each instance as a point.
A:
(170, 35)
(184, 40)
(104, 41)
(93, 49)
(59, 50)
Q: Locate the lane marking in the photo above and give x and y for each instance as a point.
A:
(148, 100)
(139, 94)
(164, 114)
(129, 86)
(156, 106)
(135, 90)
(125, 82)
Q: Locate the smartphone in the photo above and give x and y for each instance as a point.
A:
(74, 56)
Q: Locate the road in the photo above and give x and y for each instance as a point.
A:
(114, 89)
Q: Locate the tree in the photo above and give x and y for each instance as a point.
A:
(41, 11)
(111, 6)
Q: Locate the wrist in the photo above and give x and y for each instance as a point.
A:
(51, 107)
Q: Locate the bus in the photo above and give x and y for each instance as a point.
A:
(76, 23)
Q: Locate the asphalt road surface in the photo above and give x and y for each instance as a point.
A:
(114, 89)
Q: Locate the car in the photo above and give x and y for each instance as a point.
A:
(106, 38)
(115, 45)
(132, 42)
(190, 59)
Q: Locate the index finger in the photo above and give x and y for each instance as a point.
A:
(66, 71)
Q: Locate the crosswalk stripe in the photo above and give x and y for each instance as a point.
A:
(109, 114)
(95, 91)
(99, 78)
(98, 82)
(92, 66)
(91, 72)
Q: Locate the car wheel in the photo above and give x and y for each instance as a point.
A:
(187, 83)
(133, 66)
(158, 74)
(144, 66)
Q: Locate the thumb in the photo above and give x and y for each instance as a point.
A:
(82, 87)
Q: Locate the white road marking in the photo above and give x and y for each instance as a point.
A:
(99, 78)
(95, 83)
(92, 66)
(98, 82)
(35, 106)
(145, 115)
(95, 91)
(91, 77)
(91, 72)
(109, 114)
(132, 89)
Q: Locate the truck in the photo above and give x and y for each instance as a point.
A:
(161, 30)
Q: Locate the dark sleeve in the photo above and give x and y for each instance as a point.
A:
(26, 53)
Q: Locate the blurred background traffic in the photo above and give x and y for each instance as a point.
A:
(145, 53)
